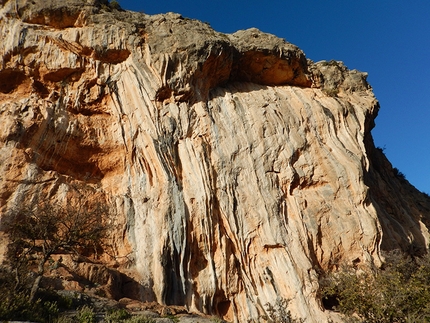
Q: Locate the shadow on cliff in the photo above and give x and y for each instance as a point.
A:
(236, 87)
(185, 264)
(401, 208)
(98, 279)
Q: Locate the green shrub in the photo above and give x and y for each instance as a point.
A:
(65, 319)
(63, 302)
(86, 315)
(217, 320)
(117, 315)
(114, 4)
(398, 173)
(397, 292)
(50, 310)
(15, 303)
(172, 318)
(279, 312)
(330, 63)
(333, 92)
(15, 306)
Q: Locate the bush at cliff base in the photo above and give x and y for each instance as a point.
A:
(15, 304)
(398, 292)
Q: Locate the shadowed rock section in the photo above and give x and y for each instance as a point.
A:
(238, 171)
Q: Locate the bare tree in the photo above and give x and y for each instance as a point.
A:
(45, 229)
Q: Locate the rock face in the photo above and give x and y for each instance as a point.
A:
(236, 170)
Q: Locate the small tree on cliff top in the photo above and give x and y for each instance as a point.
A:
(40, 231)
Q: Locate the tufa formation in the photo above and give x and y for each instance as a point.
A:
(235, 170)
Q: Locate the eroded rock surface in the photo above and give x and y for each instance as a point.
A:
(236, 170)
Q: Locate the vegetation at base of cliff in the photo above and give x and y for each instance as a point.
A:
(15, 303)
(53, 308)
(38, 232)
(86, 314)
(399, 291)
(279, 312)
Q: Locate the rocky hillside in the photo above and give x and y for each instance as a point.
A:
(236, 170)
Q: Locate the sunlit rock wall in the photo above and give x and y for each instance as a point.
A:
(236, 170)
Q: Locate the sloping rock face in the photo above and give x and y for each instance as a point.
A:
(236, 170)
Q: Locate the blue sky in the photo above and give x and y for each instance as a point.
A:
(388, 39)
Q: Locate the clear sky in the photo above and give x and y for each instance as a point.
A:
(388, 39)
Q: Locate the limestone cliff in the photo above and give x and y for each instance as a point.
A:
(237, 171)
